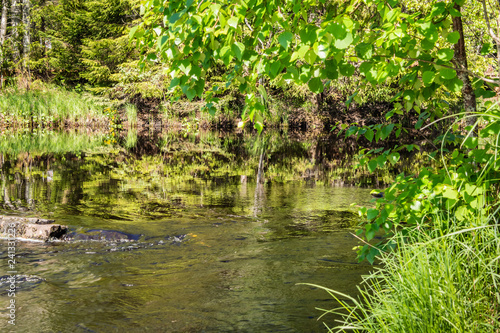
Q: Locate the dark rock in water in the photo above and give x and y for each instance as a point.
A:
(376, 194)
(30, 228)
(101, 235)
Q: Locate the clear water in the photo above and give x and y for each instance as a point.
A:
(216, 253)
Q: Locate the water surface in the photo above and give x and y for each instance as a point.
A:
(216, 252)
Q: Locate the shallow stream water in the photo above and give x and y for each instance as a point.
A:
(215, 251)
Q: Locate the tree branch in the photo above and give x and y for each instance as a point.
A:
(490, 30)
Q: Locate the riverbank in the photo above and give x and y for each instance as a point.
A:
(435, 281)
(47, 106)
(50, 106)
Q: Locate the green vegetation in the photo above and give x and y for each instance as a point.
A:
(131, 114)
(49, 106)
(442, 275)
(434, 282)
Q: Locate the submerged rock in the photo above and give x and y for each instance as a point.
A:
(30, 228)
(26, 228)
(377, 194)
(101, 235)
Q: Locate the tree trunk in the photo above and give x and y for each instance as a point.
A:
(26, 24)
(3, 21)
(460, 59)
(15, 23)
(3, 33)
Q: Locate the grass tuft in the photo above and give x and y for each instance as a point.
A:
(433, 282)
(131, 114)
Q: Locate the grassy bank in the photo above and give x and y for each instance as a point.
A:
(50, 107)
(433, 282)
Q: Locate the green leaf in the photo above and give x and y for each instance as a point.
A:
(321, 50)
(461, 213)
(369, 134)
(342, 44)
(368, 70)
(392, 15)
(453, 37)
(470, 143)
(199, 87)
(262, 91)
(190, 94)
(393, 158)
(371, 214)
(331, 69)
(310, 57)
(486, 49)
(224, 51)
(308, 34)
(447, 73)
(364, 50)
(174, 83)
(372, 165)
(132, 32)
(238, 49)
(438, 9)
(303, 50)
(346, 69)
(233, 22)
(337, 30)
(416, 205)
(215, 9)
(386, 131)
(427, 44)
(275, 68)
(455, 85)
(445, 54)
(185, 66)
(172, 19)
(162, 40)
(305, 74)
(315, 85)
(428, 77)
(454, 12)
(450, 193)
(285, 39)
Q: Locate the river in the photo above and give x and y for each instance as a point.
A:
(215, 251)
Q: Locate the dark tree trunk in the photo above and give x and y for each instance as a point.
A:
(460, 59)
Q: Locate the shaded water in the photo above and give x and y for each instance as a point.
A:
(216, 252)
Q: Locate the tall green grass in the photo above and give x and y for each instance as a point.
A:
(48, 105)
(434, 282)
(131, 114)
